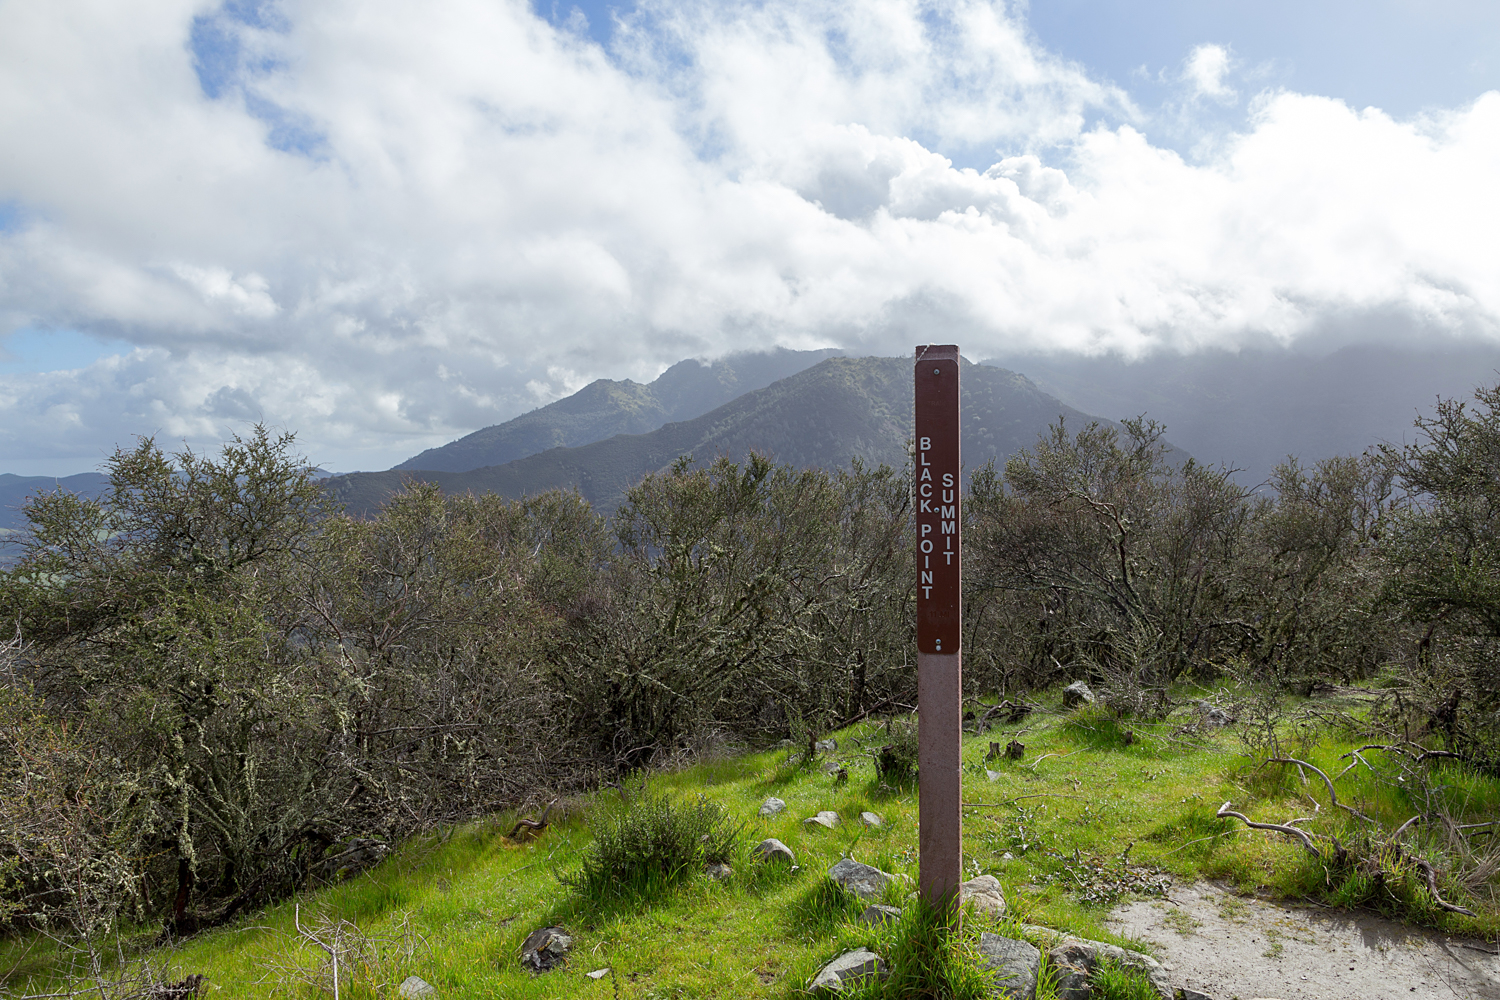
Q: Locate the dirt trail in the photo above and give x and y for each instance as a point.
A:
(1230, 946)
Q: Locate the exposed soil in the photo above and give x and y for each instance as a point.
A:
(1230, 946)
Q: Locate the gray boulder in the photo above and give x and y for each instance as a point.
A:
(870, 819)
(1186, 993)
(718, 871)
(1076, 694)
(852, 967)
(772, 806)
(1085, 954)
(1213, 715)
(876, 914)
(1073, 984)
(545, 948)
(772, 849)
(826, 746)
(414, 987)
(826, 818)
(863, 880)
(985, 893)
(1014, 964)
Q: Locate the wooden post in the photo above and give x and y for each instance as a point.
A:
(936, 487)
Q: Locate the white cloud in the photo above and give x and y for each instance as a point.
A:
(473, 211)
(1205, 69)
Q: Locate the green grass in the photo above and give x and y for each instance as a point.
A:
(1084, 818)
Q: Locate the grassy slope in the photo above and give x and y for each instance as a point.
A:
(466, 899)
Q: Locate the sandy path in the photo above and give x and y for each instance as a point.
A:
(1231, 946)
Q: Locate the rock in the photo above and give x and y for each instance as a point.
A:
(718, 871)
(1073, 984)
(415, 986)
(1014, 963)
(1074, 952)
(871, 819)
(832, 767)
(772, 849)
(864, 881)
(544, 948)
(826, 746)
(992, 775)
(1083, 953)
(1213, 715)
(1076, 694)
(851, 967)
(772, 806)
(598, 973)
(825, 818)
(985, 893)
(1185, 993)
(876, 914)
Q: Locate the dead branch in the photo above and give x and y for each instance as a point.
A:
(1332, 795)
(1224, 811)
(533, 827)
(1431, 873)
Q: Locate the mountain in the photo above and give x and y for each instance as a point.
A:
(839, 409)
(605, 408)
(15, 489)
(1252, 409)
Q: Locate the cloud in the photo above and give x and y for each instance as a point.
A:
(1205, 69)
(384, 226)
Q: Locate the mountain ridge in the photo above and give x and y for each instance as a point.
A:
(606, 407)
(825, 416)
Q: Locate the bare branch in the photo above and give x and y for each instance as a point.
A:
(1312, 849)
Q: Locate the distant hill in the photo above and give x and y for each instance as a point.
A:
(822, 417)
(1252, 409)
(605, 408)
(15, 489)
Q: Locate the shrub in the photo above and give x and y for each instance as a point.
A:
(1112, 981)
(896, 762)
(651, 847)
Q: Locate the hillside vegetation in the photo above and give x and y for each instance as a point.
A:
(222, 690)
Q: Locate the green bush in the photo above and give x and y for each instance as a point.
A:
(1112, 981)
(652, 846)
(896, 762)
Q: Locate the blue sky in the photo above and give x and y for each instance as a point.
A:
(1403, 56)
(384, 226)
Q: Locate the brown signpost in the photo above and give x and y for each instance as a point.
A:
(939, 616)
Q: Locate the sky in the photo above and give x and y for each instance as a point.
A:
(383, 225)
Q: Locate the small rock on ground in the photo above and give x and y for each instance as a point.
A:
(852, 967)
(826, 818)
(1076, 694)
(865, 881)
(876, 914)
(772, 806)
(826, 746)
(598, 973)
(985, 893)
(1014, 964)
(545, 948)
(413, 987)
(871, 819)
(718, 871)
(772, 849)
